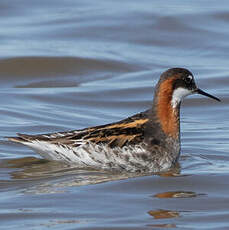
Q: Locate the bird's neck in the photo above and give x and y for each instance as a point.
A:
(166, 112)
(168, 117)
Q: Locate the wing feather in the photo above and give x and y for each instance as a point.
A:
(128, 131)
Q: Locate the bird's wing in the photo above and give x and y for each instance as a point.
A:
(128, 131)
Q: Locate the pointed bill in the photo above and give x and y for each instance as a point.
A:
(199, 91)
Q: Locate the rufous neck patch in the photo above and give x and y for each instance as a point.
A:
(166, 114)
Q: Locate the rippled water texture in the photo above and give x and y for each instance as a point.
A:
(72, 64)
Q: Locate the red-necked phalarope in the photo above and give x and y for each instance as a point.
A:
(146, 142)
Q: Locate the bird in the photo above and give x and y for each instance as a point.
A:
(148, 141)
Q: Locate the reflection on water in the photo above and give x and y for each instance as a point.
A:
(52, 176)
(54, 223)
(55, 176)
(176, 194)
(172, 172)
(164, 214)
(159, 226)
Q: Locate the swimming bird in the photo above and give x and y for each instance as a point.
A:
(146, 142)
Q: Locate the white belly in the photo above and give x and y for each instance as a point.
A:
(101, 157)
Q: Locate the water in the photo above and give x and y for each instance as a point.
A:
(72, 64)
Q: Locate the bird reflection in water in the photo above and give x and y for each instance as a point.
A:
(163, 214)
(54, 177)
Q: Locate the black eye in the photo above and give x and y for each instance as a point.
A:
(188, 79)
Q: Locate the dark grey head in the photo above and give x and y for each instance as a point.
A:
(180, 83)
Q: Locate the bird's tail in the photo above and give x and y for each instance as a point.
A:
(22, 138)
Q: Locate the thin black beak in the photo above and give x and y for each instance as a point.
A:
(199, 91)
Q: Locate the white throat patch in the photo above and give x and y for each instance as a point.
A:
(178, 95)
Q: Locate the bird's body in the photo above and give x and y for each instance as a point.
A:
(146, 142)
(124, 145)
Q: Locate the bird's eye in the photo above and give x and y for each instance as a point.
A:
(188, 79)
